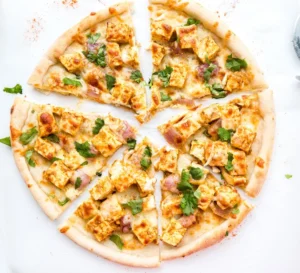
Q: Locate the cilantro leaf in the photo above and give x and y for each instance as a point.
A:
(93, 38)
(184, 181)
(229, 165)
(84, 149)
(208, 72)
(68, 81)
(136, 206)
(99, 123)
(53, 159)
(99, 58)
(217, 91)
(226, 234)
(62, 203)
(197, 194)
(288, 176)
(17, 89)
(146, 159)
(235, 64)
(28, 156)
(136, 76)
(188, 203)
(147, 151)
(235, 209)
(99, 174)
(165, 97)
(224, 134)
(84, 163)
(78, 183)
(131, 142)
(150, 82)
(192, 21)
(28, 136)
(165, 75)
(6, 141)
(110, 81)
(117, 240)
(53, 138)
(196, 173)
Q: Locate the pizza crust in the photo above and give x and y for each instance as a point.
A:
(106, 252)
(209, 238)
(212, 22)
(64, 41)
(18, 119)
(266, 141)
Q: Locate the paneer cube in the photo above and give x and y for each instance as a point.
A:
(206, 195)
(239, 163)
(47, 124)
(198, 149)
(227, 197)
(87, 209)
(236, 180)
(161, 32)
(119, 33)
(144, 231)
(149, 203)
(187, 36)
(73, 62)
(187, 127)
(45, 148)
(100, 229)
(58, 174)
(216, 153)
(70, 122)
(102, 189)
(210, 113)
(130, 56)
(243, 138)
(122, 93)
(238, 81)
(73, 160)
(178, 75)
(106, 142)
(121, 175)
(158, 53)
(111, 210)
(231, 117)
(168, 160)
(114, 55)
(170, 206)
(144, 182)
(206, 49)
(173, 233)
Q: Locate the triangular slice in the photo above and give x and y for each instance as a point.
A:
(195, 55)
(197, 209)
(234, 138)
(119, 220)
(96, 59)
(59, 151)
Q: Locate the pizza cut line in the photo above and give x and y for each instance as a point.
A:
(217, 149)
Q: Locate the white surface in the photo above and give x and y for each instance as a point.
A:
(268, 241)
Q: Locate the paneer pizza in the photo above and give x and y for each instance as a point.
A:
(59, 151)
(217, 151)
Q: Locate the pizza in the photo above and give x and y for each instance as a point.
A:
(198, 210)
(59, 151)
(196, 56)
(119, 220)
(96, 59)
(234, 139)
(214, 152)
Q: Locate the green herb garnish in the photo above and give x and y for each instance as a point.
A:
(229, 165)
(235, 210)
(224, 134)
(6, 141)
(84, 163)
(53, 159)
(53, 138)
(196, 173)
(99, 123)
(68, 81)
(165, 75)
(192, 21)
(208, 72)
(131, 143)
(84, 149)
(288, 176)
(28, 136)
(117, 240)
(235, 64)
(78, 183)
(99, 174)
(146, 159)
(217, 91)
(136, 76)
(28, 158)
(136, 206)
(99, 58)
(93, 38)
(165, 97)
(17, 89)
(110, 81)
(62, 203)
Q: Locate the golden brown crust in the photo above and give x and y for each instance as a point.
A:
(266, 141)
(209, 238)
(211, 21)
(61, 44)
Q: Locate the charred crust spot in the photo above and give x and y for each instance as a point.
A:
(12, 109)
(93, 13)
(260, 162)
(216, 24)
(228, 35)
(112, 11)
(29, 186)
(64, 229)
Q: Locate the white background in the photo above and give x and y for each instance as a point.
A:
(268, 241)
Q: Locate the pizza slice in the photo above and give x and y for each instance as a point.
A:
(195, 55)
(59, 151)
(119, 220)
(197, 209)
(96, 59)
(234, 138)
